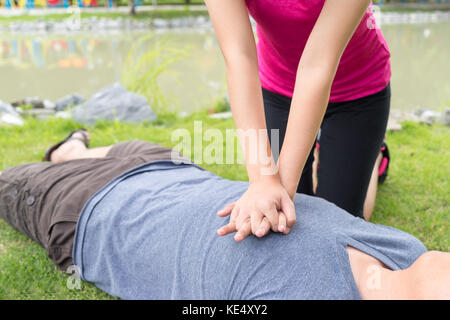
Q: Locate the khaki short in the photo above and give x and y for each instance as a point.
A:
(44, 200)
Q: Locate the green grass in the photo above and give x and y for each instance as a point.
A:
(414, 197)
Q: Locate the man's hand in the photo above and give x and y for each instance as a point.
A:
(263, 207)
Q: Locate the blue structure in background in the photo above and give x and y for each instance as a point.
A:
(29, 4)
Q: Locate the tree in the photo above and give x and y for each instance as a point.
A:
(132, 7)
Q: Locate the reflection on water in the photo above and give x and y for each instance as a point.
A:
(51, 66)
(420, 57)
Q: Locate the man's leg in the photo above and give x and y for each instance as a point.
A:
(23, 188)
(136, 151)
(75, 149)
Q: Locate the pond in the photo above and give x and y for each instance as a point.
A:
(52, 65)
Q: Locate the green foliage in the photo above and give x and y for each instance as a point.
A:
(222, 105)
(145, 62)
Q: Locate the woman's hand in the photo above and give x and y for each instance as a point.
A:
(263, 207)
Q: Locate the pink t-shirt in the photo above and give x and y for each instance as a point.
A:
(283, 27)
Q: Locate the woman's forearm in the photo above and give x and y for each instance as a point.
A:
(248, 111)
(317, 68)
(308, 106)
(235, 35)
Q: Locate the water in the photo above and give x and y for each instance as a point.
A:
(53, 65)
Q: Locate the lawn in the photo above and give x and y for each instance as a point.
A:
(414, 197)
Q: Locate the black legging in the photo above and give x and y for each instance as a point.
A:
(352, 133)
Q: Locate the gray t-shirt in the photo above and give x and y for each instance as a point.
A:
(151, 234)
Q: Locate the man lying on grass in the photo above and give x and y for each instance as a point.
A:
(139, 225)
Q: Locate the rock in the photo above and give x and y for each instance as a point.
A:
(49, 104)
(9, 116)
(446, 117)
(40, 113)
(418, 112)
(6, 118)
(35, 102)
(399, 115)
(70, 100)
(393, 125)
(63, 115)
(114, 103)
(221, 115)
(7, 108)
(176, 23)
(161, 23)
(73, 24)
(429, 117)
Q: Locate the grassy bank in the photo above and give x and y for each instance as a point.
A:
(414, 197)
(182, 11)
(140, 15)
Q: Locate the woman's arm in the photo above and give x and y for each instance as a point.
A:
(266, 196)
(316, 70)
(235, 36)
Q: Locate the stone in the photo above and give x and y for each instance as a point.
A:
(40, 113)
(161, 23)
(34, 102)
(6, 118)
(70, 100)
(221, 115)
(114, 103)
(446, 117)
(399, 115)
(48, 104)
(393, 125)
(9, 116)
(63, 115)
(429, 117)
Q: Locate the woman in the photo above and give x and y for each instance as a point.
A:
(318, 63)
